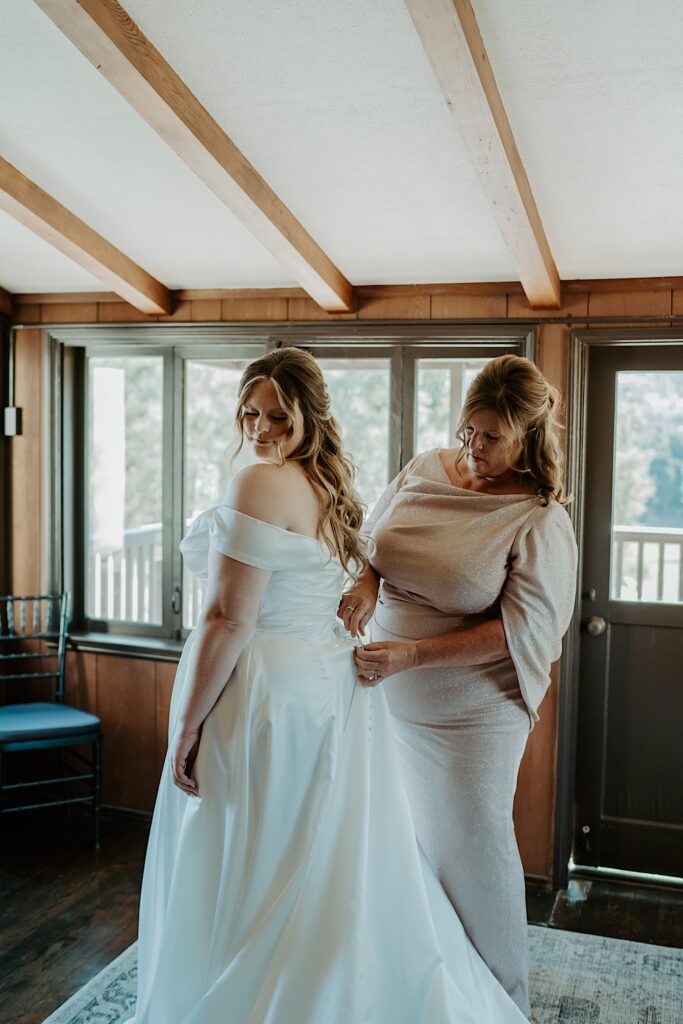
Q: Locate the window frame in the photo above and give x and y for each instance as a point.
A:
(403, 343)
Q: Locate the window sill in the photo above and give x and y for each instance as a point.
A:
(126, 646)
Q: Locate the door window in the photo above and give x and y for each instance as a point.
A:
(647, 517)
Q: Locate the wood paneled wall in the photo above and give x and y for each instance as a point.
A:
(5, 455)
(27, 480)
(132, 695)
(583, 301)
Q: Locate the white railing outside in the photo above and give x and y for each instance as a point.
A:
(126, 584)
(647, 564)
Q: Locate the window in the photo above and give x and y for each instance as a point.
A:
(360, 395)
(647, 527)
(439, 395)
(157, 405)
(209, 442)
(124, 490)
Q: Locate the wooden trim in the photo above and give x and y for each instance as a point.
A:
(6, 303)
(7, 532)
(623, 284)
(212, 294)
(381, 291)
(22, 199)
(474, 289)
(451, 38)
(114, 44)
(59, 298)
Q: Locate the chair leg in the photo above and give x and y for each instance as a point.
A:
(60, 757)
(97, 788)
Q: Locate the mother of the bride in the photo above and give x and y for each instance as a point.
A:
(471, 585)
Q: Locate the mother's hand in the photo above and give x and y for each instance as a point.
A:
(377, 661)
(182, 753)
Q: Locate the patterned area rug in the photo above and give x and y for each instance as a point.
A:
(575, 979)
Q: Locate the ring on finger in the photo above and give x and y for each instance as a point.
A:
(350, 608)
(374, 675)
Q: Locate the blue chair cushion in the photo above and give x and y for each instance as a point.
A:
(38, 721)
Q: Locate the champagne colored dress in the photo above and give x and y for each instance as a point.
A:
(450, 558)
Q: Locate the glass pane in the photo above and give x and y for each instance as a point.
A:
(440, 391)
(647, 507)
(360, 397)
(124, 550)
(211, 387)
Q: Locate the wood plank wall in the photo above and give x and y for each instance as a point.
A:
(5, 455)
(131, 694)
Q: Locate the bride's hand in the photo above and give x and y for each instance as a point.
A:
(358, 604)
(376, 662)
(182, 753)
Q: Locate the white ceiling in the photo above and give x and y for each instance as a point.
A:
(336, 105)
(594, 95)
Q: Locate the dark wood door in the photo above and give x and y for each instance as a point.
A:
(629, 808)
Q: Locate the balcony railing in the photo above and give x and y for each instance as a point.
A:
(647, 564)
(126, 584)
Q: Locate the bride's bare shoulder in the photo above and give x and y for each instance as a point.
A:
(265, 491)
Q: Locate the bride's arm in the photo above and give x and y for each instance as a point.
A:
(231, 603)
(226, 621)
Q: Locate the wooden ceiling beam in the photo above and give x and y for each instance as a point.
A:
(114, 44)
(6, 303)
(22, 199)
(451, 38)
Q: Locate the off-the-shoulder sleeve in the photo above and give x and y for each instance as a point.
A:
(240, 537)
(538, 599)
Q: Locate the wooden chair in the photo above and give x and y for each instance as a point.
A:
(33, 630)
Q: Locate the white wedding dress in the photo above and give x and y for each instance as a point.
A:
(292, 890)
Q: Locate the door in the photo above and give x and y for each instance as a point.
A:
(629, 808)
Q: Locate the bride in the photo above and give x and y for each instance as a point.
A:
(283, 882)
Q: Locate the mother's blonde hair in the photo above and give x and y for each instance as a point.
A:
(298, 381)
(527, 408)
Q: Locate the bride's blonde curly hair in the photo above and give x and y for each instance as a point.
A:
(298, 381)
(527, 407)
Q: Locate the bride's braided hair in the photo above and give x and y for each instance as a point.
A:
(527, 407)
(298, 380)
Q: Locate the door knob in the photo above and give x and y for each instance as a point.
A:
(596, 625)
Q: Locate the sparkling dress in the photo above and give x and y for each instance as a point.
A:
(292, 890)
(450, 558)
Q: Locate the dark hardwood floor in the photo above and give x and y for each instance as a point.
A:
(66, 910)
(618, 909)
